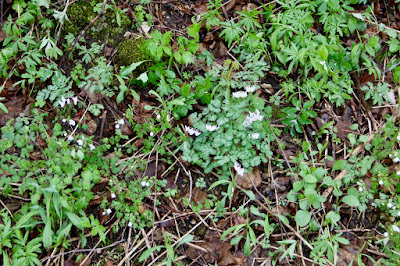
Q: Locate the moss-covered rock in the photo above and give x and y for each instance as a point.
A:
(105, 29)
(132, 51)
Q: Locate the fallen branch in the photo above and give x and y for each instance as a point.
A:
(85, 29)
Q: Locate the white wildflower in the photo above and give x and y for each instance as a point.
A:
(254, 135)
(158, 116)
(360, 189)
(381, 182)
(80, 142)
(386, 234)
(121, 121)
(92, 147)
(64, 120)
(398, 214)
(130, 224)
(145, 184)
(396, 160)
(62, 101)
(250, 88)
(390, 156)
(70, 138)
(251, 117)
(103, 213)
(109, 211)
(192, 131)
(72, 122)
(389, 205)
(212, 128)
(398, 173)
(239, 169)
(398, 137)
(117, 126)
(396, 228)
(75, 100)
(113, 196)
(239, 94)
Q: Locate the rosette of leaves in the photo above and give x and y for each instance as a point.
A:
(232, 141)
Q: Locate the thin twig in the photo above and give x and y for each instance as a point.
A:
(85, 29)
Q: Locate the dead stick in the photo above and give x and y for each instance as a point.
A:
(85, 29)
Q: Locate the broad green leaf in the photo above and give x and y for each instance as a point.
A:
(186, 239)
(310, 179)
(75, 220)
(339, 165)
(351, 200)
(302, 218)
(47, 234)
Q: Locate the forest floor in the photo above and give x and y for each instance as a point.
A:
(199, 132)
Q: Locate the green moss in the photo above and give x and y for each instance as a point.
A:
(131, 51)
(81, 13)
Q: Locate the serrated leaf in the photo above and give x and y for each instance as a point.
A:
(126, 71)
(75, 220)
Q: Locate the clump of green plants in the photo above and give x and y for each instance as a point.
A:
(230, 131)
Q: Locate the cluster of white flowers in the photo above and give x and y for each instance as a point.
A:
(119, 123)
(396, 159)
(251, 88)
(254, 135)
(63, 101)
(108, 212)
(396, 228)
(239, 169)
(212, 128)
(256, 116)
(239, 94)
(192, 131)
(145, 184)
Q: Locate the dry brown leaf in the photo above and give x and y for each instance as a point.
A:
(92, 127)
(15, 107)
(246, 181)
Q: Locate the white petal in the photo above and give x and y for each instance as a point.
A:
(75, 100)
